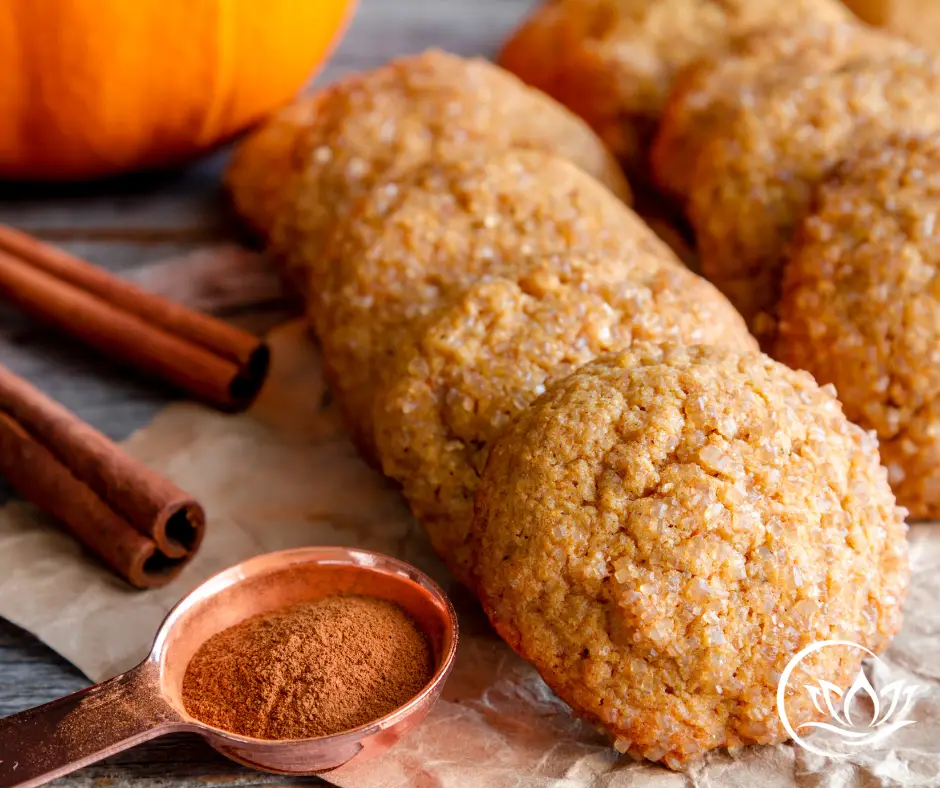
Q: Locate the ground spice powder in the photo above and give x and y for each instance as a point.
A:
(308, 670)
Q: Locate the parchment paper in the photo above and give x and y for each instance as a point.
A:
(285, 475)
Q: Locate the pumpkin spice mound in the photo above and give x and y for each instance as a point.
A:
(662, 531)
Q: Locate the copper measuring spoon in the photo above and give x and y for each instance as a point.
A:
(49, 741)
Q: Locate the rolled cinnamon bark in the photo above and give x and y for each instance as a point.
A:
(218, 363)
(138, 522)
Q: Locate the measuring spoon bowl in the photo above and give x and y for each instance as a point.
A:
(40, 744)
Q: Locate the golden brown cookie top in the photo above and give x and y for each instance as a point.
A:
(707, 92)
(475, 363)
(861, 305)
(410, 111)
(663, 530)
(413, 243)
(754, 179)
(614, 61)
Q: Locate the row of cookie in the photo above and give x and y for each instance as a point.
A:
(450, 294)
(744, 137)
(746, 141)
(679, 652)
(416, 139)
(661, 530)
(395, 293)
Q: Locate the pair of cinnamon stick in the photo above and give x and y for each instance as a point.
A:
(136, 521)
(199, 354)
(139, 523)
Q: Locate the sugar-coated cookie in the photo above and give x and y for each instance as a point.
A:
(661, 532)
(861, 306)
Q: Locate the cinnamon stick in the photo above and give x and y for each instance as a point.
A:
(138, 522)
(216, 362)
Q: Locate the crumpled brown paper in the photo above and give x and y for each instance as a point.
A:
(285, 475)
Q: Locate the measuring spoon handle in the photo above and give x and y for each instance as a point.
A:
(40, 744)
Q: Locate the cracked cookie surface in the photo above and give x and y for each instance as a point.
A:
(477, 362)
(660, 532)
(861, 306)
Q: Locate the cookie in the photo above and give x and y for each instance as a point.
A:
(663, 530)
(861, 306)
(708, 91)
(754, 179)
(481, 359)
(613, 61)
(917, 20)
(379, 124)
(414, 243)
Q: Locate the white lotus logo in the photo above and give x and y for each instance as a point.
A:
(849, 720)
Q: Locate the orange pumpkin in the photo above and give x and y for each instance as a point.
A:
(96, 87)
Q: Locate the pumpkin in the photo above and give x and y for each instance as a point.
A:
(96, 87)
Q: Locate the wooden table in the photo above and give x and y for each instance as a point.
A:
(123, 226)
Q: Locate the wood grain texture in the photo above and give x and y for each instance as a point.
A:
(124, 225)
